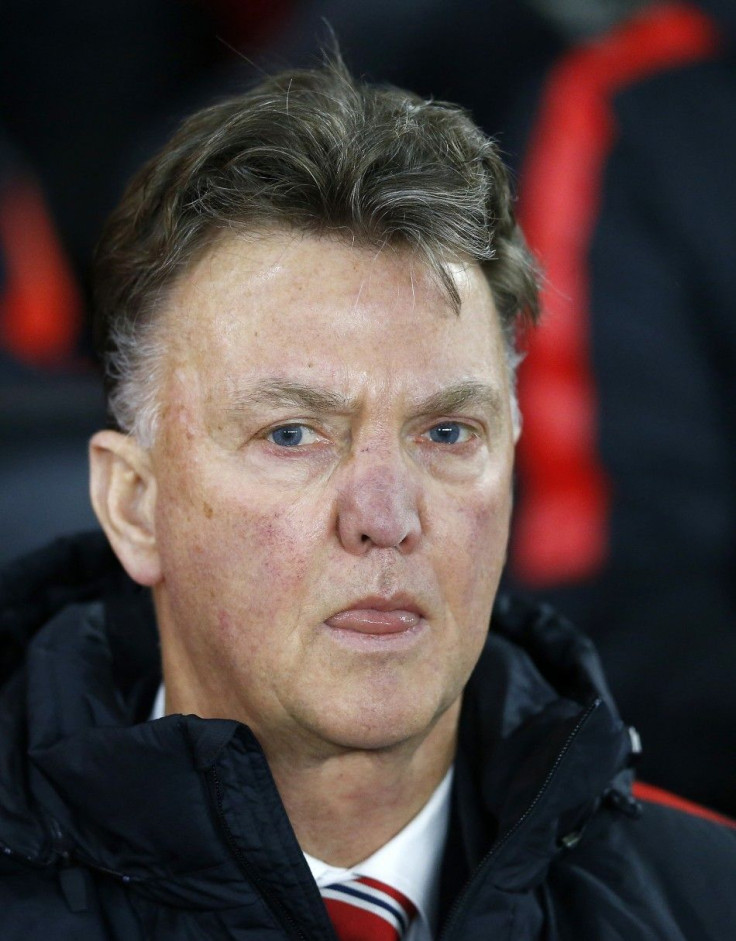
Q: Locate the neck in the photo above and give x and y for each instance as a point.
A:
(345, 807)
(343, 803)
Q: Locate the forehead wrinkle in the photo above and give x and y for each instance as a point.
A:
(284, 392)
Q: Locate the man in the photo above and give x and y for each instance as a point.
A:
(307, 305)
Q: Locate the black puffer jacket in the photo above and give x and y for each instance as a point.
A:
(112, 827)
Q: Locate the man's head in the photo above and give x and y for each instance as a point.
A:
(315, 152)
(308, 299)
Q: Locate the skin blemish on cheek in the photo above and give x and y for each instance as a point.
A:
(225, 625)
(207, 509)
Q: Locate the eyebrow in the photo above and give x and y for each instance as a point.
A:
(284, 393)
(462, 395)
(277, 393)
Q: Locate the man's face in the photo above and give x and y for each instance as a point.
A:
(333, 478)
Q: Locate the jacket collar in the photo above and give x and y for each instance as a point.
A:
(178, 806)
(540, 744)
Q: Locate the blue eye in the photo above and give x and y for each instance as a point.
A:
(445, 433)
(287, 436)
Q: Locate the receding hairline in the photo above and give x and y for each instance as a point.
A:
(341, 235)
(158, 328)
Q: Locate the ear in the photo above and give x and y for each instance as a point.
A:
(123, 493)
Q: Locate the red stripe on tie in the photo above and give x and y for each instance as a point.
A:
(366, 909)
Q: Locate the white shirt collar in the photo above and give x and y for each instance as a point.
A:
(410, 861)
(159, 704)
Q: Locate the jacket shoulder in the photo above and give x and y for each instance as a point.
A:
(667, 872)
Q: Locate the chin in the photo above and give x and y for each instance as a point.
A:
(379, 726)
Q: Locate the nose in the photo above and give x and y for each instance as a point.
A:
(378, 504)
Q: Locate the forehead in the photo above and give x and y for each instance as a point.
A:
(299, 307)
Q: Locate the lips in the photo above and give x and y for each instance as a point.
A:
(377, 616)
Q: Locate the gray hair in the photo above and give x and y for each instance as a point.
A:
(318, 152)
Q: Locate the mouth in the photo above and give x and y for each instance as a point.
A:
(379, 617)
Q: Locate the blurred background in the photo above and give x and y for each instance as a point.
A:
(618, 119)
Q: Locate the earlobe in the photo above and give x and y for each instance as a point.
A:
(123, 494)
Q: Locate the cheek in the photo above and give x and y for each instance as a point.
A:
(480, 528)
(486, 524)
(254, 556)
(279, 549)
(233, 635)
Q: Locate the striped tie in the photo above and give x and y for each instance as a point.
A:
(368, 910)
